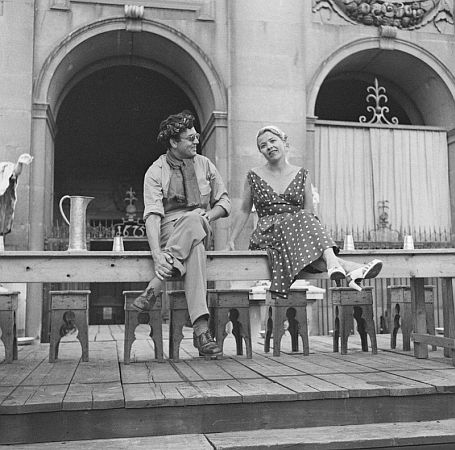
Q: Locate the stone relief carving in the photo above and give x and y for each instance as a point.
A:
(404, 14)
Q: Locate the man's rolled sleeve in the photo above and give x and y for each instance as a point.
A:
(153, 192)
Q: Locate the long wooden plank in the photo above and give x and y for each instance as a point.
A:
(41, 266)
(28, 399)
(172, 442)
(208, 370)
(377, 435)
(397, 385)
(355, 385)
(14, 374)
(102, 367)
(442, 380)
(431, 339)
(149, 395)
(308, 387)
(49, 373)
(217, 392)
(94, 396)
(262, 390)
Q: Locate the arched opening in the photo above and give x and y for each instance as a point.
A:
(98, 102)
(166, 54)
(343, 98)
(419, 90)
(106, 139)
(375, 174)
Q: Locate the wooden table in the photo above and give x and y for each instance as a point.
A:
(108, 266)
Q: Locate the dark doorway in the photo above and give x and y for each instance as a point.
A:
(107, 127)
(106, 140)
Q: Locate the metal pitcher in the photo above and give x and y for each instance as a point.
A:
(78, 224)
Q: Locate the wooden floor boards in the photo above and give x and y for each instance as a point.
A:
(292, 390)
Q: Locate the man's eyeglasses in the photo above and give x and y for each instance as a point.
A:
(191, 137)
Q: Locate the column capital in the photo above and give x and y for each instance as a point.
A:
(44, 111)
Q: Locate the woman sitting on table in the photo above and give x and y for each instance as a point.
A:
(287, 228)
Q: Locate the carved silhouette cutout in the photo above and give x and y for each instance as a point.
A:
(69, 326)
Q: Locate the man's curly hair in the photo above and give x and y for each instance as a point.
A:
(175, 124)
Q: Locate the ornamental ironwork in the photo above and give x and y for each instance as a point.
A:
(404, 14)
(377, 95)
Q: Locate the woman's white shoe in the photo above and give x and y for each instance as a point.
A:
(336, 273)
(370, 270)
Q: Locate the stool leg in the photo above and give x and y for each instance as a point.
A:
(237, 332)
(269, 331)
(406, 326)
(336, 330)
(9, 337)
(130, 335)
(178, 320)
(278, 317)
(303, 330)
(345, 327)
(82, 335)
(293, 328)
(221, 317)
(15, 337)
(156, 333)
(361, 327)
(430, 323)
(244, 319)
(370, 327)
(396, 326)
(54, 341)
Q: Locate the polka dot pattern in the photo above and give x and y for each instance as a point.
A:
(292, 236)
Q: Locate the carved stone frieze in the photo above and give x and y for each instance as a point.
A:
(404, 14)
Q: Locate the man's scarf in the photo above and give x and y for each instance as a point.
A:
(183, 187)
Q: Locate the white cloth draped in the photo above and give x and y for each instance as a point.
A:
(357, 167)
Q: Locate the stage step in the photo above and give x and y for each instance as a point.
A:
(438, 434)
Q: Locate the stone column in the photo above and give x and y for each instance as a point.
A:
(214, 146)
(16, 80)
(267, 84)
(43, 133)
(451, 150)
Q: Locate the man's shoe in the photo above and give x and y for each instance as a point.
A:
(145, 301)
(206, 344)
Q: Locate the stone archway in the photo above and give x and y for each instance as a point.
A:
(409, 68)
(420, 83)
(108, 43)
(103, 44)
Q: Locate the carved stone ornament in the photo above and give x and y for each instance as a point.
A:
(134, 12)
(405, 14)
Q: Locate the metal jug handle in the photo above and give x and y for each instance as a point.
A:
(61, 209)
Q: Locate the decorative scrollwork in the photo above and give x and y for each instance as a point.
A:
(404, 14)
(377, 94)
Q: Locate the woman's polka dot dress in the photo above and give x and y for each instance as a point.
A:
(292, 236)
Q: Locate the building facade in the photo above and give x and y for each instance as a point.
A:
(364, 89)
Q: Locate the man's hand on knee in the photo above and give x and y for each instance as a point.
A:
(163, 264)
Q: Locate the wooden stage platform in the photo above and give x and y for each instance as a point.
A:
(103, 398)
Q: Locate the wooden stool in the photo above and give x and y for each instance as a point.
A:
(348, 303)
(292, 309)
(178, 318)
(133, 318)
(231, 305)
(8, 308)
(401, 314)
(69, 312)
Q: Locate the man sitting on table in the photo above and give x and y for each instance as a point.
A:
(183, 194)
